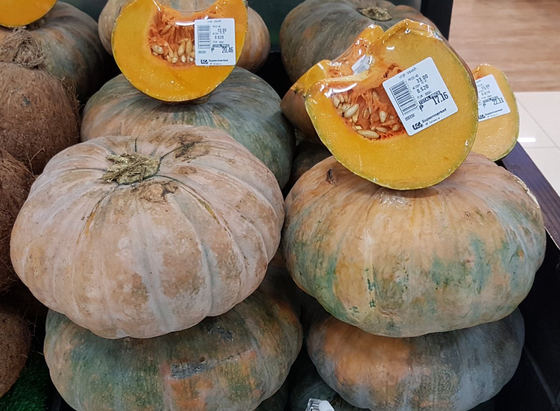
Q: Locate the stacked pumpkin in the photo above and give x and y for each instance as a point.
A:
(417, 250)
(150, 240)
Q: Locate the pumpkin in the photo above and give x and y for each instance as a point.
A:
(17, 13)
(244, 105)
(322, 30)
(356, 120)
(156, 232)
(408, 263)
(496, 136)
(257, 43)
(452, 371)
(306, 156)
(154, 45)
(255, 49)
(293, 103)
(230, 362)
(66, 43)
(278, 401)
(15, 343)
(39, 116)
(306, 384)
(15, 181)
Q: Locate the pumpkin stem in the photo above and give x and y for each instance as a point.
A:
(131, 168)
(376, 13)
(21, 48)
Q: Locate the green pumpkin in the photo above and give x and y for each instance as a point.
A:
(230, 362)
(244, 105)
(67, 39)
(278, 401)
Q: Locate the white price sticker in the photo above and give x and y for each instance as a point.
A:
(491, 101)
(214, 41)
(362, 64)
(420, 96)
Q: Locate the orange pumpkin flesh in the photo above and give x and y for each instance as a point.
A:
(16, 13)
(153, 46)
(356, 121)
(497, 136)
(293, 103)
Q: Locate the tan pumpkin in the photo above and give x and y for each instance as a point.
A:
(409, 263)
(142, 237)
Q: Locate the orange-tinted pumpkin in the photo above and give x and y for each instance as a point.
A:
(17, 13)
(452, 371)
(142, 237)
(408, 263)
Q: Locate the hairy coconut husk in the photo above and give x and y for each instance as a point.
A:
(15, 182)
(15, 343)
(38, 115)
(21, 48)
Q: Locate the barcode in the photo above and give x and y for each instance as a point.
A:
(403, 97)
(203, 32)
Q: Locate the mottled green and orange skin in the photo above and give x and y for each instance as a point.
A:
(407, 263)
(323, 29)
(456, 370)
(244, 105)
(72, 49)
(278, 401)
(230, 362)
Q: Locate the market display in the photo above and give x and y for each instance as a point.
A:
(192, 233)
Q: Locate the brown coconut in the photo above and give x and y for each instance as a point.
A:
(15, 182)
(38, 113)
(15, 343)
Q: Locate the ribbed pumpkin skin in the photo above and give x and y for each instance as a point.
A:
(244, 105)
(323, 29)
(230, 362)
(452, 371)
(408, 263)
(156, 256)
(72, 49)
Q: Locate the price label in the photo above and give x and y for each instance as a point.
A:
(214, 41)
(420, 96)
(491, 101)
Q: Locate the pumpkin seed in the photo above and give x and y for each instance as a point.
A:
(382, 129)
(184, 58)
(355, 117)
(382, 116)
(368, 133)
(174, 60)
(396, 127)
(181, 49)
(375, 95)
(336, 100)
(189, 47)
(157, 49)
(166, 29)
(349, 112)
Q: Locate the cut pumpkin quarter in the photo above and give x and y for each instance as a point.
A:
(498, 127)
(177, 55)
(17, 13)
(411, 132)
